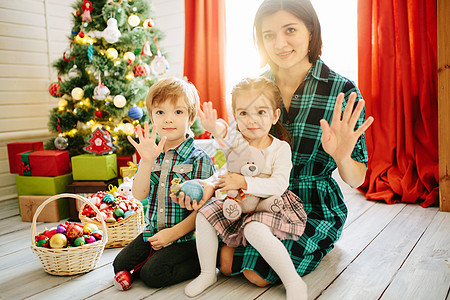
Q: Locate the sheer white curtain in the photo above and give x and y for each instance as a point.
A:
(339, 37)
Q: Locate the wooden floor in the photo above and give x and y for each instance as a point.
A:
(386, 251)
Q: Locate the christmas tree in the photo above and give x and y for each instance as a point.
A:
(104, 74)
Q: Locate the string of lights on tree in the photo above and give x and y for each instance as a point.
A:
(104, 74)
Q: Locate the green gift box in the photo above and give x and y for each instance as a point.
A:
(37, 185)
(93, 167)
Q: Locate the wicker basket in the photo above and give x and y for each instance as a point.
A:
(120, 233)
(69, 261)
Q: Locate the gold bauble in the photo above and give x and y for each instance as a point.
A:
(89, 227)
(111, 53)
(77, 93)
(58, 241)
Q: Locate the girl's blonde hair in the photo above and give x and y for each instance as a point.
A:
(171, 89)
(272, 93)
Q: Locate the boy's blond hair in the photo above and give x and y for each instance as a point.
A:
(171, 89)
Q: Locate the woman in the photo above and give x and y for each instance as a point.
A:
(288, 37)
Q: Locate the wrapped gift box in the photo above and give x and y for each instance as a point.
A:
(92, 167)
(122, 161)
(14, 148)
(128, 171)
(86, 188)
(52, 212)
(38, 185)
(45, 163)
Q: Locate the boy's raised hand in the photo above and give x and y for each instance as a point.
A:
(147, 147)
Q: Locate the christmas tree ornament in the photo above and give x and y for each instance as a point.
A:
(129, 76)
(89, 228)
(141, 69)
(77, 93)
(159, 65)
(74, 72)
(101, 92)
(120, 101)
(146, 50)
(86, 7)
(80, 38)
(100, 143)
(61, 142)
(62, 103)
(53, 89)
(128, 128)
(79, 241)
(58, 241)
(90, 52)
(135, 113)
(112, 53)
(98, 114)
(129, 57)
(148, 23)
(123, 280)
(90, 239)
(67, 54)
(190, 188)
(134, 20)
(73, 231)
(111, 34)
(60, 229)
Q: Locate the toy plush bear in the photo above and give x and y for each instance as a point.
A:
(248, 161)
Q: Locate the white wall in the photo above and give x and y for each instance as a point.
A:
(32, 36)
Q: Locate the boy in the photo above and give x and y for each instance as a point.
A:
(166, 250)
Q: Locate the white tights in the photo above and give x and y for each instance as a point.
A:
(261, 238)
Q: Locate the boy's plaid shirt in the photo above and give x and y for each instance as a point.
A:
(187, 161)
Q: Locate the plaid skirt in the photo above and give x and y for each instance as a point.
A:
(289, 223)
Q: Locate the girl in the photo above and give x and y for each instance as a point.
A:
(256, 108)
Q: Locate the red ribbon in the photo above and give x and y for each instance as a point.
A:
(241, 193)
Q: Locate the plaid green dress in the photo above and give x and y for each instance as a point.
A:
(311, 177)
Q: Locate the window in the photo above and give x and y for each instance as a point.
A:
(339, 36)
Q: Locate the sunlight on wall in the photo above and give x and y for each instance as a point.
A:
(339, 37)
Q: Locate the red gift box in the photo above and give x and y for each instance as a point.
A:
(122, 161)
(45, 163)
(19, 147)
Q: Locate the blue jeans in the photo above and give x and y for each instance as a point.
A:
(170, 265)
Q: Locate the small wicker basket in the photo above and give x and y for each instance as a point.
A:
(69, 261)
(120, 233)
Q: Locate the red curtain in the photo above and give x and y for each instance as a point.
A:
(204, 50)
(398, 79)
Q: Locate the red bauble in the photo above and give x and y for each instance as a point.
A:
(141, 70)
(98, 113)
(74, 231)
(123, 280)
(53, 89)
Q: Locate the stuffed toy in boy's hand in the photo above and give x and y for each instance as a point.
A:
(248, 161)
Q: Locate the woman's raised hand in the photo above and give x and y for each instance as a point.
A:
(339, 138)
(147, 147)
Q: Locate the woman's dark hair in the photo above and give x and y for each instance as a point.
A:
(271, 92)
(304, 11)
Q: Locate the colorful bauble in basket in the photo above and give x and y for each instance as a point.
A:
(72, 260)
(124, 218)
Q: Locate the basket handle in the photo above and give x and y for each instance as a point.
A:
(56, 197)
